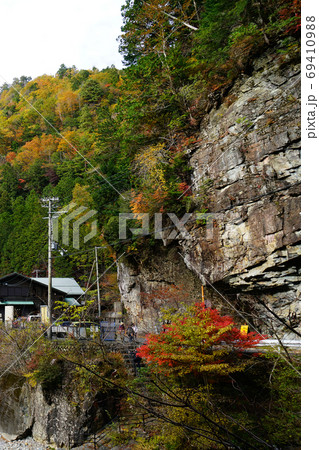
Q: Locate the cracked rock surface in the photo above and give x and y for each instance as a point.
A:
(246, 172)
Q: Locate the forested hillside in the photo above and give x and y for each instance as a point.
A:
(203, 118)
(117, 140)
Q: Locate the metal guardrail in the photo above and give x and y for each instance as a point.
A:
(289, 343)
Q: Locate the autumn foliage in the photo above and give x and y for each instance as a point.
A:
(200, 341)
(133, 130)
(147, 202)
(290, 14)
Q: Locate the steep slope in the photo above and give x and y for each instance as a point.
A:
(246, 172)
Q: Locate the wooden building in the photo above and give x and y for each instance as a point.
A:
(21, 296)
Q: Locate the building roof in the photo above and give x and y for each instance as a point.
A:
(67, 285)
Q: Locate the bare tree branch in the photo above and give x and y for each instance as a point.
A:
(173, 17)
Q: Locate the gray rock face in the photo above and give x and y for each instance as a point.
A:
(162, 269)
(246, 172)
(54, 419)
(16, 417)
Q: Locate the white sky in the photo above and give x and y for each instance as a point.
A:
(37, 36)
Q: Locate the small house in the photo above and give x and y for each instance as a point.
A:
(21, 295)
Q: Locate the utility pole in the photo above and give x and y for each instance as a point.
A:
(98, 282)
(48, 202)
(50, 268)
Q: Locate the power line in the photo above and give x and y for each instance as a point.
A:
(241, 315)
(170, 227)
(230, 147)
(64, 138)
(55, 321)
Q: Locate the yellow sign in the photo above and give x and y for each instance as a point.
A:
(44, 314)
(244, 330)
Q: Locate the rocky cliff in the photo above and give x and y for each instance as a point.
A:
(246, 174)
(60, 418)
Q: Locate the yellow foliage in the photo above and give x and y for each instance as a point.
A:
(149, 166)
(81, 195)
(31, 378)
(67, 104)
(68, 144)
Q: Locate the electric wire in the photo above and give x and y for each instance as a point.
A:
(230, 146)
(63, 137)
(209, 166)
(240, 314)
(56, 320)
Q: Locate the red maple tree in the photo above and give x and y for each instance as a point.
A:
(200, 341)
